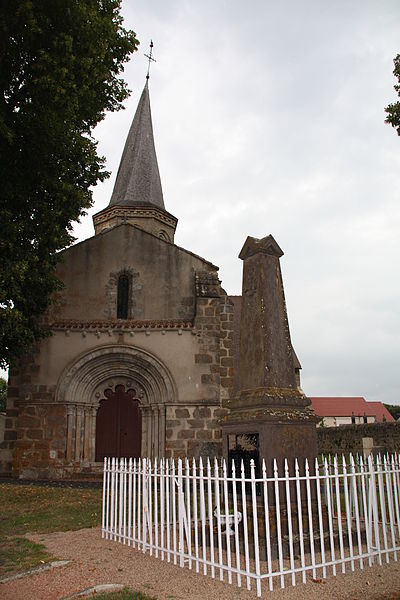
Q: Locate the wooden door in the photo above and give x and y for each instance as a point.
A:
(118, 425)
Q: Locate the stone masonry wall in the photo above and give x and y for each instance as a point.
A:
(10, 431)
(226, 351)
(35, 427)
(19, 385)
(40, 445)
(207, 324)
(348, 438)
(195, 431)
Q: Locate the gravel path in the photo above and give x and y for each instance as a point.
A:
(95, 561)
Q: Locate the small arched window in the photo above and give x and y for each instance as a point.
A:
(123, 297)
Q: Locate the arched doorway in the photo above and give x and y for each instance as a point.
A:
(81, 390)
(118, 424)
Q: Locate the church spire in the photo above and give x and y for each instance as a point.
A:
(137, 198)
(138, 179)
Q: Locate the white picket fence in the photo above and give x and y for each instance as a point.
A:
(246, 528)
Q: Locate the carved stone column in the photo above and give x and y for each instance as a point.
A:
(149, 436)
(156, 433)
(86, 435)
(92, 445)
(162, 430)
(146, 422)
(78, 429)
(70, 431)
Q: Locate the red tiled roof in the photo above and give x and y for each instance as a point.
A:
(380, 411)
(346, 407)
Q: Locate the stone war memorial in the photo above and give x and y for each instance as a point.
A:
(149, 357)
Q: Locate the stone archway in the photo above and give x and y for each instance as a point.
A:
(83, 383)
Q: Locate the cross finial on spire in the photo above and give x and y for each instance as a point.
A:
(151, 59)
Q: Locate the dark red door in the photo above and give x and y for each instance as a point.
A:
(118, 425)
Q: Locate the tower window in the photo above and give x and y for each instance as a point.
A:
(123, 297)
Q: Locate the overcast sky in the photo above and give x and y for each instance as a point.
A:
(269, 119)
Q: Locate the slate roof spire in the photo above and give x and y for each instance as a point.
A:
(138, 179)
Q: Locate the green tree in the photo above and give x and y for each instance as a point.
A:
(3, 394)
(60, 62)
(393, 110)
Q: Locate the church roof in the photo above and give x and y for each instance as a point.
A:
(138, 180)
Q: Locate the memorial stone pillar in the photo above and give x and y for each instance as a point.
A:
(270, 417)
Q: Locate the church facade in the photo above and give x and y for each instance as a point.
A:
(142, 360)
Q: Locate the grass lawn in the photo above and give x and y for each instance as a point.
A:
(34, 509)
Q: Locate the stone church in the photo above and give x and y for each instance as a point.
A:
(143, 356)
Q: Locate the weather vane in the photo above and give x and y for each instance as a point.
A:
(151, 59)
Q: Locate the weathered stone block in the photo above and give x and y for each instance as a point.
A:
(196, 423)
(201, 321)
(227, 362)
(28, 421)
(58, 444)
(204, 435)
(182, 412)
(202, 412)
(34, 434)
(55, 419)
(203, 358)
(176, 444)
(186, 434)
(220, 412)
(212, 347)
